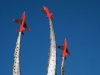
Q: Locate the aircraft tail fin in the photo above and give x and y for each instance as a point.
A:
(22, 33)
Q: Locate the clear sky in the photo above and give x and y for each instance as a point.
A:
(76, 20)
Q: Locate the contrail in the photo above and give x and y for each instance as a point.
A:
(16, 65)
(62, 67)
(51, 70)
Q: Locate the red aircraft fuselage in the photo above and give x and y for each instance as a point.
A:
(22, 23)
(65, 49)
(46, 10)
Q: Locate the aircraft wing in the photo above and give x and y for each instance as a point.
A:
(26, 26)
(43, 11)
(61, 47)
(67, 51)
(18, 21)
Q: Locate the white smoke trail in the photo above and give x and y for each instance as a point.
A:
(62, 67)
(51, 70)
(16, 65)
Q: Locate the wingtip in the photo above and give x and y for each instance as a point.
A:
(13, 19)
(58, 46)
(41, 9)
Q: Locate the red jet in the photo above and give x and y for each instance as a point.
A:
(22, 24)
(46, 11)
(65, 49)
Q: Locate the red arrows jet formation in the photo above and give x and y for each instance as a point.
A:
(65, 49)
(47, 12)
(22, 24)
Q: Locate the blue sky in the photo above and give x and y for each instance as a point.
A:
(76, 20)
